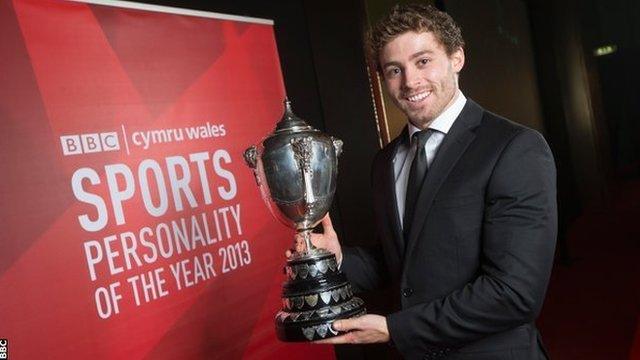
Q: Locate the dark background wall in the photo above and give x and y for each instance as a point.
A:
(615, 23)
(500, 63)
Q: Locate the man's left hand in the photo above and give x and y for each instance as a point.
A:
(366, 329)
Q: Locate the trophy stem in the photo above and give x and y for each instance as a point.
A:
(308, 245)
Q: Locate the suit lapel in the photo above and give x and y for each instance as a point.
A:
(390, 192)
(453, 146)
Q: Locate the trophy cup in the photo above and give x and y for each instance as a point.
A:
(295, 168)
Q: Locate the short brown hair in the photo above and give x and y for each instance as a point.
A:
(414, 17)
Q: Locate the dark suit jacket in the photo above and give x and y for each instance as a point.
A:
(473, 275)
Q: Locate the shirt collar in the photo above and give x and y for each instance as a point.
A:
(444, 121)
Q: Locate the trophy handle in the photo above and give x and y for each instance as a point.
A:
(251, 156)
(337, 145)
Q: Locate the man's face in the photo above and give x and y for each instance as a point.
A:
(419, 75)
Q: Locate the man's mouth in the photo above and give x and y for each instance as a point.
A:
(418, 97)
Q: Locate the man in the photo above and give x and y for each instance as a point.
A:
(465, 209)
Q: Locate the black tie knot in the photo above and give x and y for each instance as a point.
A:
(420, 137)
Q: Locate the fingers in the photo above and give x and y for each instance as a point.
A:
(361, 330)
(318, 240)
(346, 324)
(326, 224)
(354, 337)
(342, 339)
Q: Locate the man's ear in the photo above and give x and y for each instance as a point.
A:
(457, 60)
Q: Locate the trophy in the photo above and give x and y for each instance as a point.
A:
(295, 168)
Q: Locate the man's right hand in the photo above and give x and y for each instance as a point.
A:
(328, 240)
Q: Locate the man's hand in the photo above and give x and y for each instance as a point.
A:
(327, 240)
(366, 329)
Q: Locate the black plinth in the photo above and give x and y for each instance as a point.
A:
(315, 294)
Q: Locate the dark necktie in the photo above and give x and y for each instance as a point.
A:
(416, 177)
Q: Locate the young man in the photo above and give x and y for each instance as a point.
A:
(465, 205)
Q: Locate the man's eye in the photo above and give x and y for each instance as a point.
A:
(424, 61)
(393, 71)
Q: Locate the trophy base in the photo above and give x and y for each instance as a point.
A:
(315, 294)
(313, 330)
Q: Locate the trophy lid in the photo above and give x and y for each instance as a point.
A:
(290, 121)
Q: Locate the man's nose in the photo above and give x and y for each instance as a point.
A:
(411, 79)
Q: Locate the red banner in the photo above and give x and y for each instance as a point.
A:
(131, 227)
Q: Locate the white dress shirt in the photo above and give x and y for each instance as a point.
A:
(404, 157)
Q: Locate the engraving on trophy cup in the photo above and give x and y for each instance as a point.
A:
(295, 168)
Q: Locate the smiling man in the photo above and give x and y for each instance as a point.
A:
(465, 206)
(421, 75)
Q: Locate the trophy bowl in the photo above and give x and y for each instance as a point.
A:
(296, 168)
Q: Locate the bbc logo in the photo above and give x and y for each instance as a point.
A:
(89, 143)
(4, 349)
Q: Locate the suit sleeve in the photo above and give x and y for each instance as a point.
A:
(364, 267)
(519, 235)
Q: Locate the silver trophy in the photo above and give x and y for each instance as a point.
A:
(296, 168)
